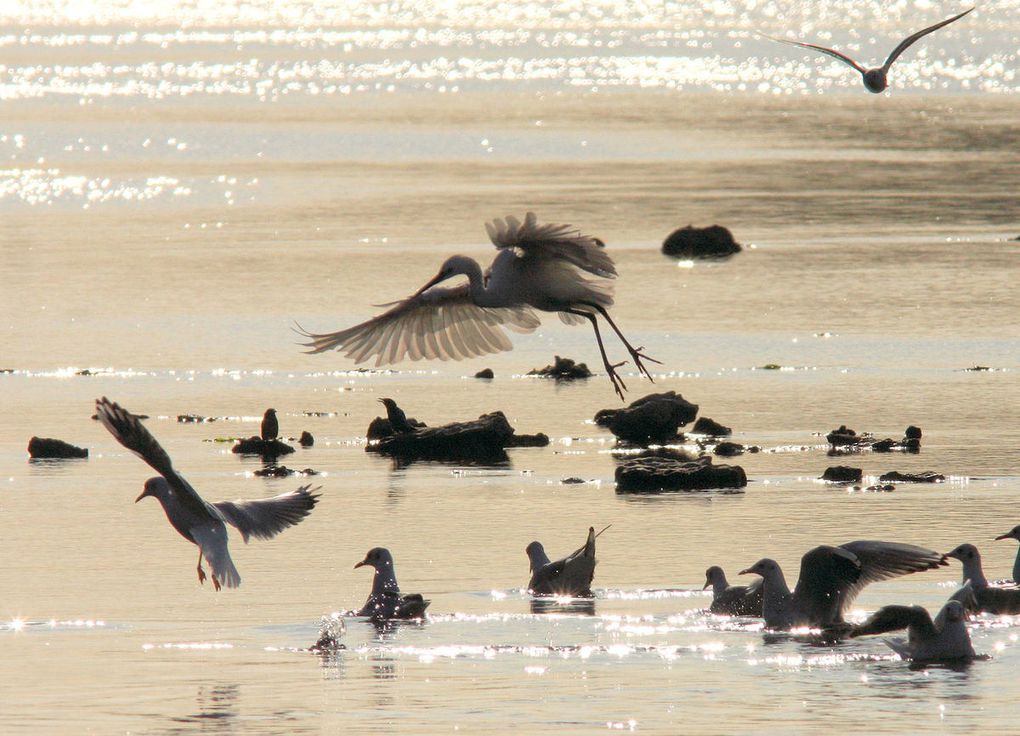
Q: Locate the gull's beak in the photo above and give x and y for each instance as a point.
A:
(953, 555)
(361, 564)
(748, 571)
(1007, 535)
(142, 495)
(707, 583)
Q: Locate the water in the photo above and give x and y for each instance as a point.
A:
(167, 241)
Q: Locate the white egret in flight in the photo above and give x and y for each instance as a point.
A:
(539, 267)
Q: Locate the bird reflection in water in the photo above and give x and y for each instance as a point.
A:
(217, 708)
(563, 606)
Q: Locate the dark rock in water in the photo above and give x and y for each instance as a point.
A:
(528, 440)
(306, 439)
(669, 453)
(652, 419)
(572, 481)
(380, 427)
(926, 477)
(884, 488)
(886, 445)
(6, 370)
(282, 471)
(842, 474)
(48, 448)
(482, 439)
(842, 436)
(704, 425)
(485, 373)
(257, 446)
(194, 418)
(977, 369)
(728, 449)
(891, 445)
(562, 369)
(912, 433)
(714, 241)
(666, 474)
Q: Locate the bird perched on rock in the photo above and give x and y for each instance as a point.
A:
(875, 80)
(385, 601)
(990, 598)
(543, 267)
(1013, 533)
(200, 522)
(945, 638)
(831, 578)
(397, 417)
(270, 425)
(733, 600)
(570, 576)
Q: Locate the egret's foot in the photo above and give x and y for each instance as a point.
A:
(618, 385)
(201, 574)
(638, 356)
(216, 583)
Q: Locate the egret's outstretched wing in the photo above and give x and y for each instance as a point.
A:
(129, 431)
(827, 51)
(439, 324)
(266, 517)
(910, 39)
(561, 242)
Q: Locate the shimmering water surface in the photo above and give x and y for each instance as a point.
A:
(180, 184)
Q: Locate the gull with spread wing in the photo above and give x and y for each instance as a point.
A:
(543, 267)
(875, 80)
(200, 522)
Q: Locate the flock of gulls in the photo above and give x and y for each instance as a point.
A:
(554, 268)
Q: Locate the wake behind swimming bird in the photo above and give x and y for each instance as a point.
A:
(200, 522)
(539, 267)
(875, 80)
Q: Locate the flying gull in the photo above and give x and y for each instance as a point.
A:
(200, 522)
(875, 80)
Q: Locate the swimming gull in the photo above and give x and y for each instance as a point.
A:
(733, 600)
(832, 577)
(200, 522)
(990, 598)
(270, 429)
(571, 575)
(1013, 533)
(385, 601)
(875, 80)
(945, 638)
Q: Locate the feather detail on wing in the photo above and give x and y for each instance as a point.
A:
(822, 49)
(440, 323)
(265, 518)
(915, 36)
(211, 538)
(129, 431)
(562, 242)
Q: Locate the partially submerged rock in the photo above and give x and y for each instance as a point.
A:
(842, 474)
(651, 473)
(306, 439)
(282, 471)
(529, 440)
(842, 437)
(194, 419)
(927, 476)
(255, 445)
(380, 427)
(728, 449)
(484, 438)
(562, 369)
(485, 373)
(714, 241)
(712, 428)
(652, 419)
(42, 448)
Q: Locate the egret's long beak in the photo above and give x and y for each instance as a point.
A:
(142, 495)
(1007, 535)
(432, 282)
(361, 564)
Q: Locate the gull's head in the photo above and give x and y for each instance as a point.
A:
(270, 413)
(713, 574)
(965, 553)
(1013, 533)
(377, 557)
(954, 611)
(875, 80)
(535, 550)
(388, 403)
(156, 487)
(764, 567)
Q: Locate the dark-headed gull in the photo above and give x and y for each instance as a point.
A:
(831, 578)
(990, 598)
(1013, 533)
(875, 80)
(200, 522)
(385, 601)
(733, 600)
(570, 576)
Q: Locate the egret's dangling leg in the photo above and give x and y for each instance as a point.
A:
(201, 572)
(618, 383)
(635, 353)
